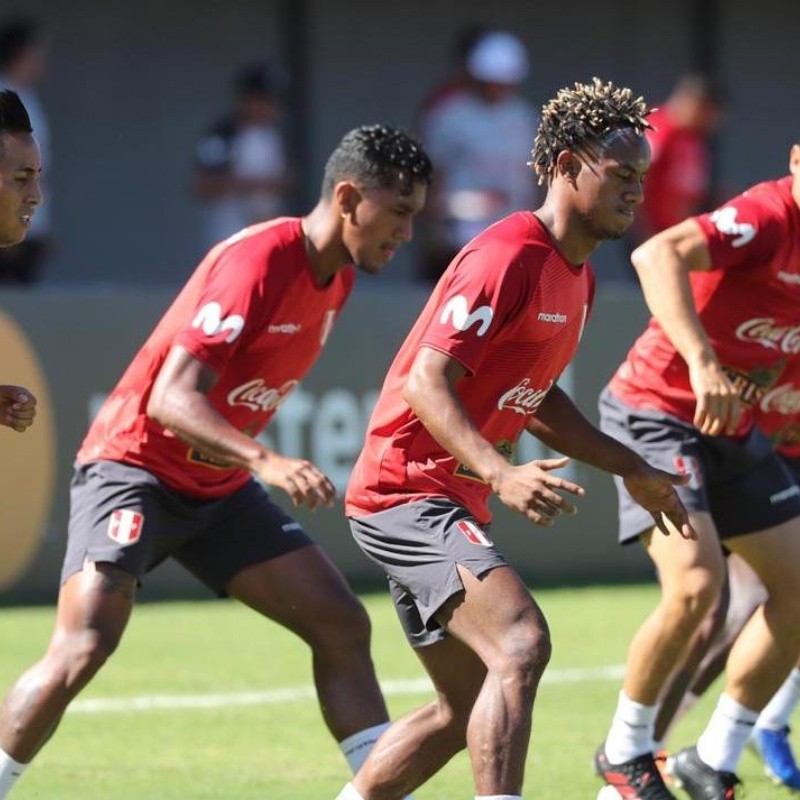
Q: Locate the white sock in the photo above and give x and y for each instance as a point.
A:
(357, 746)
(775, 716)
(498, 797)
(631, 732)
(721, 743)
(10, 770)
(349, 793)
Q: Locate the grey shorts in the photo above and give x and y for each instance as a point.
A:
(418, 545)
(124, 515)
(742, 483)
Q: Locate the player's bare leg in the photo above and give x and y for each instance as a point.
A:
(419, 744)
(760, 658)
(94, 607)
(766, 649)
(691, 574)
(673, 697)
(303, 591)
(498, 620)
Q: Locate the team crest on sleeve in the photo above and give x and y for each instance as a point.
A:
(125, 526)
(210, 320)
(725, 221)
(473, 533)
(456, 311)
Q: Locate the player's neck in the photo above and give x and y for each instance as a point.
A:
(568, 234)
(323, 243)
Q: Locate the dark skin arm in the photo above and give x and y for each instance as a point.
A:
(17, 408)
(180, 404)
(561, 426)
(531, 489)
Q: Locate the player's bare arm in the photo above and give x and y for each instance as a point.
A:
(530, 488)
(17, 408)
(179, 403)
(663, 264)
(561, 426)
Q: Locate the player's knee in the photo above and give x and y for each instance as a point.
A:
(526, 651)
(345, 624)
(691, 598)
(84, 653)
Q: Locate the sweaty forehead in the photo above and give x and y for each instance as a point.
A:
(626, 146)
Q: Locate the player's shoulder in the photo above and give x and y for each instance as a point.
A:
(511, 249)
(265, 237)
(775, 195)
(258, 246)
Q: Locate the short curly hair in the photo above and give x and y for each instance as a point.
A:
(377, 156)
(576, 118)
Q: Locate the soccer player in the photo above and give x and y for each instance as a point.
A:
(478, 368)
(723, 289)
(170, 466)
(778, 416)
(20, 168)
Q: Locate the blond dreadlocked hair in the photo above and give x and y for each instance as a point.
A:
(575, 118)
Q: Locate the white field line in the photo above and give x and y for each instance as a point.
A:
(158, 702)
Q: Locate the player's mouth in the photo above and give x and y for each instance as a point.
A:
(26, 218)
(626, 211)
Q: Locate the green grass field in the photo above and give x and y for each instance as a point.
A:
(276, 748)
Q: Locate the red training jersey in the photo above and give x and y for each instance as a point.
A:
(511, 310)
(748, 305)
(253, 313)
(678, 179)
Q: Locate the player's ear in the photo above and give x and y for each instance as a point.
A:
(568, 166)
(347, 196)
(794, 160)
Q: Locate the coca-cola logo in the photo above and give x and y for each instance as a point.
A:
(763, 330)
(523, 399)
(257, 396)
(783, 399)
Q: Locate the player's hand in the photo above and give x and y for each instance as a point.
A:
(532, 490)
(654, 490)
(305, 483)
(17, 408)
(718, 408)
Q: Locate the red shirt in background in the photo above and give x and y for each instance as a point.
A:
(678, 181)
(748, 303)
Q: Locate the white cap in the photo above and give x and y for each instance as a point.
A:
(498, 57)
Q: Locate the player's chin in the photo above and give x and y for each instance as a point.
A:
(14, 236)
(618, 228)
(372, 266)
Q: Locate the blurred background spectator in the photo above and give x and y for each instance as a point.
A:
(478, 133)
(679, 182)
(23, 61)
(242, 174)
(458, 80)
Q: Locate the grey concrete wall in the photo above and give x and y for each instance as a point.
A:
(132, 85)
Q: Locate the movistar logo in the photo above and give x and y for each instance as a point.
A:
(457, 311)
